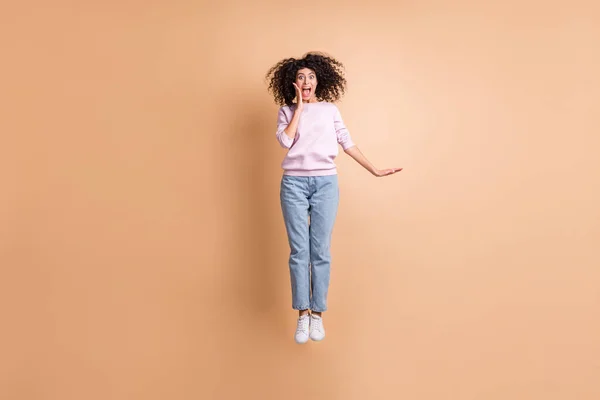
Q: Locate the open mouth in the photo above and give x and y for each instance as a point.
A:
(305, 92)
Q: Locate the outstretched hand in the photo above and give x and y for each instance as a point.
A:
(385, 172)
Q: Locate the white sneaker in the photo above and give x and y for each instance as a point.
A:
(317, 331)
(302, 333)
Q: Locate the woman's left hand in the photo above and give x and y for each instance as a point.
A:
(385, 172)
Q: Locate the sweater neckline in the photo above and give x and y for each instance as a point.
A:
(309, 104)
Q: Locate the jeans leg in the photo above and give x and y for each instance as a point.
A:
(324, 204)
(294, 205)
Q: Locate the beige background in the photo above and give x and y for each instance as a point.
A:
(143, 252)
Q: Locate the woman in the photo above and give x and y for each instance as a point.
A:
(310, 127)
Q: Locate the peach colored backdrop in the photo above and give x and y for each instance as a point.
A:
(143, 252)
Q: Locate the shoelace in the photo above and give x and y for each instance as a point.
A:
(303, 322)
(317, 324)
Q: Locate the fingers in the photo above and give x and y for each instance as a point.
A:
(386, 172)
(391, 171)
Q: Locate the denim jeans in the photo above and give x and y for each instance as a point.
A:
(309, 205)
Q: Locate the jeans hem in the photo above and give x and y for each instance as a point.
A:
(301, 308)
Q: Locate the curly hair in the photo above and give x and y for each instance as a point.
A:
(330, 77)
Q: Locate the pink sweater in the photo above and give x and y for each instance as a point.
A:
(313, 151)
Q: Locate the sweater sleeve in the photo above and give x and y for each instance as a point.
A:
(282, 122)
(343, 136)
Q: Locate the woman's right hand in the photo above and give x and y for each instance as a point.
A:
(299, 104)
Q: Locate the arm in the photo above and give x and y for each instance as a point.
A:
(292, 128)
(358, 156)
(352, 150)
(282, 124)
(286, 132)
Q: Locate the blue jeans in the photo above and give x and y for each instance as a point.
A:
(309, 205)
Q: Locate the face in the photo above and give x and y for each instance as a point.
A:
(306, 80)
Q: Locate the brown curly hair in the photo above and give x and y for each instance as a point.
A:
(330, 76)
